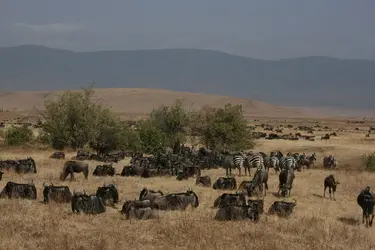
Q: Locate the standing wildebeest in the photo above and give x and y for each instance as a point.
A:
(104, 170)
(204, 181)
(149, 194)
(260, 178)
(59, 194)
(58, 155)
(140, 210)
(331, 183)
(17, 190)
(330, 162)
(366, 200)
(176, 201)
(286, 178)
(108, 193)
(282, 208)
(225, 183)
(230, 199)
(72, 167)
(89, 204)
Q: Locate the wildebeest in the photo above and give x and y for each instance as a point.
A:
(260, 178)
(225, 183)
(19, 190)
(58, 155)
(230, 199)
(140, 210)
(232, 212)
(88, 204)
(176, 201)
(181, 175)
(331, 183)
(108, 193)
(286, 178)
(71, 167)
(149, 194)
(256, 208)
(104, 170)
(204, 181)
(21, 166)
(365, 200)
(59, 194)
(330, 162)
(282, 208)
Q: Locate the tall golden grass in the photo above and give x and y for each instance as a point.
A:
(317, 222)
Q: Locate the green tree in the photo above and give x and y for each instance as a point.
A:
(152, 139)
(223, 129)
(173, 121)
(75, 120)
(17, 136)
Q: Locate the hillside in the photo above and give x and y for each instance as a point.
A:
(310, 81)
(139, 102)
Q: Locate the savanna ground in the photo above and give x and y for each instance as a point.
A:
(317, 223)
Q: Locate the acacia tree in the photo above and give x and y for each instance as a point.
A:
(173, 121)
(223, 129)
(74, 120)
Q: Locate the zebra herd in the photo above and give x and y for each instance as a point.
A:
(275, 160)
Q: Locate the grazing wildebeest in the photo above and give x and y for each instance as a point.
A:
(104, 170)
(260, 178)
(58, 155)
(108, 193)
(1, 175)
(331, 183)
(24, 166)
(149, 194)
(230, 199)
(59, 194)
(204, 181)
(88, 204)
(71, 167)
(282, 208)
(176, 201)
(140, 210)
(366, 201)
(330, 162)
(18, 190)
(286, 178)
(225, 183)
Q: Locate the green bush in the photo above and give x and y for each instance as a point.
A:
(369, 161)
(17, 136)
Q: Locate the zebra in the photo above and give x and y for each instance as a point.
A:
(330, 162)
(272, 162)
(253, 161)
(233, 161)
(288, 162)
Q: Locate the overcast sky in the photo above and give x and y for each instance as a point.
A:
(261, 29)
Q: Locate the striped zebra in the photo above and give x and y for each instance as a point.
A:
(272, 162)
(288, 162)
(253, 161)
(233, 161)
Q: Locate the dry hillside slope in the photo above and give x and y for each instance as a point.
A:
(138, 102)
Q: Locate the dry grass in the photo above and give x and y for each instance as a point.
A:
(317, 223)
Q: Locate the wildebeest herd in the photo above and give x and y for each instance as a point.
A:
(184, 164)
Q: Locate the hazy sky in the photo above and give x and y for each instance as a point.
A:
(262, 29)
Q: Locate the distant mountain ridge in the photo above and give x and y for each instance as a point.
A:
(307, 81)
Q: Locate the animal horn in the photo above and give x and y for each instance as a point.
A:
(295, 201)
(84, 191)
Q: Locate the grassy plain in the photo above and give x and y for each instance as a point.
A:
(317, 222)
